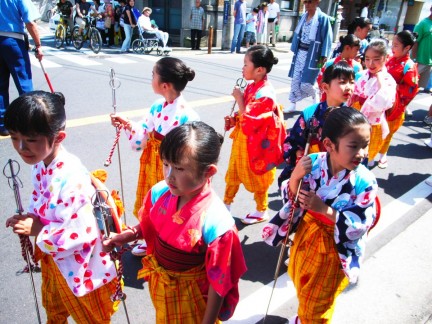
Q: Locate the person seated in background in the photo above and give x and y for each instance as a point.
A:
(150, 29)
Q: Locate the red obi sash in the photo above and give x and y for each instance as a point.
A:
(320, 217)
(174, 259)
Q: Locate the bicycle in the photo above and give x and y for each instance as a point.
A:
(63, 32)
(46, 9)
(90, 32)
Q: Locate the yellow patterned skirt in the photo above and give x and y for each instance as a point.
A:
(315, 269)
(176, 295)
(394, 125)
(151, 171)
(60, 303)
(239, 172)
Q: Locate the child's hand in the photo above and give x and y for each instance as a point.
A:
(237, 93)
(310, 201)
(303, 167)
(28, 225)
(115, 240)
(229, 122)
(117, 120)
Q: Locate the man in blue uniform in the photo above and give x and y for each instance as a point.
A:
(14, 56)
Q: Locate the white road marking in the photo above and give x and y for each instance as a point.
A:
(46, 62)
(77, 59)
(120, 60)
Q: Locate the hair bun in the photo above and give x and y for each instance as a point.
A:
(189, 74)
(221, 138)
(275, 60)
(60, 96)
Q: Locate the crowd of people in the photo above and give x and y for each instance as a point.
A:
(118, 22)
(260, 26)
(192, 255)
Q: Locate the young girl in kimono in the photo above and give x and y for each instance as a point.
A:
(336, 211)
(76, 273)
(257, 136)
(169, 78)
(405, 73)
(350, 46)
(374, 93)
(194, 258)
(262, 22)
(337, 82)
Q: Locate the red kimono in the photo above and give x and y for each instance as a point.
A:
(189, 250)
(405, 73)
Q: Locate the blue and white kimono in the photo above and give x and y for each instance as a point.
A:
(320, 37)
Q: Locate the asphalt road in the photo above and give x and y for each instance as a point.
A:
(84, 79)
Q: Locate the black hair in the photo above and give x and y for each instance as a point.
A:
(379, 45)
(174, 71)
(262, 56)
(337, 71)
(349, 40)
(195, 138)
(342, 121)
(37, 113)
(256, 10)
(406, 38)
(361, 22)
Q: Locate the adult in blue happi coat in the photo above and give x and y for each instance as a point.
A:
(311, 45)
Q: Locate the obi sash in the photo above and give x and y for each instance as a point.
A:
(174, 259)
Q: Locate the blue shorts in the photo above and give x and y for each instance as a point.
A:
(250, 37)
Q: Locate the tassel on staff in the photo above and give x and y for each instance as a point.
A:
(26, 245)
(106, 223)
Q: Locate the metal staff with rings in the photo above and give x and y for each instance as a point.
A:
(26, 245)
(115, 84)
(241, 83)
(107, 222)
(287, 242)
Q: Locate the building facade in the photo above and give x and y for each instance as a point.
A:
(172, 16)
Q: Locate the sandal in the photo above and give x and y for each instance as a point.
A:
(140, 249)
(252, 219)
(382, 164)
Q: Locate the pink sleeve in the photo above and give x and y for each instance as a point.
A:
(225, 265)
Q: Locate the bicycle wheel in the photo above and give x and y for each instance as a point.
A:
(77, 39)
(48, 15)
(68, 37)
(95, 40)
(138, 46)
(59, 36)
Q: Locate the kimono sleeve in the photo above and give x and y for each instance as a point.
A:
(256, 115)
(408, 88)
(76, 228)
(326, 37)
(354, 220)
(383, 98)
(225, 264)
(139, 133)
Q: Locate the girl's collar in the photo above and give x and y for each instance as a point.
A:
(166, 102)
